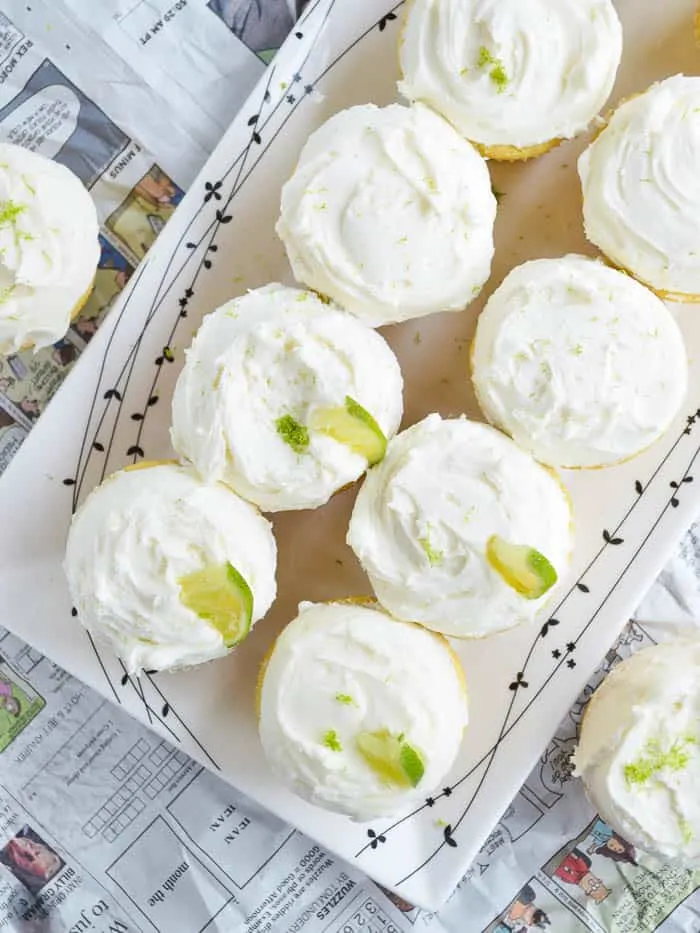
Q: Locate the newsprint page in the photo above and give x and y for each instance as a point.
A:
(105, 827)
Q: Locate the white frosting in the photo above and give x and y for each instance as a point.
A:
(131, 541)
(390, 213)
(48, 248)
(392, 676)
(278, 351)
(513, 72)
(579, 363)
(425, 513)
(639, 750)
(641, 188)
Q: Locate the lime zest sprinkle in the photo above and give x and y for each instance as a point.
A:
(330, 740)
(10, 211)
(292, 433)
(28, 185)
(498, 72)
(577, 350)
(686, 831)
(654, 760)
(434, 556)
(345, 699)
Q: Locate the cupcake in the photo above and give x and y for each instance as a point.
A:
(514, 77)
(641, 200)
(639, 750)
(285, 399)
(48, 249)
(390, 213)
(460, 530)
(579, 363)
(168, 570)
(360, 713)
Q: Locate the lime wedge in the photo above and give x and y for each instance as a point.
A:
(391, 758)
(353, 426)
(221, 596)
(521, 566)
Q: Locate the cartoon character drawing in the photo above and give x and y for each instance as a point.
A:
(6, 382)
(144, 212)
(30, 407)
(64, 353)
(575, 869)
(261, 24)
(522, 914)
(8, 701)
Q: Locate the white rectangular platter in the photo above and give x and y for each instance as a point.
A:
(114, 409)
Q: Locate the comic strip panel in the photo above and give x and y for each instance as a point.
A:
(145, 211)
(113, 272)
(50, 115)
(535, 908)
(19, 704)
(31, 860)
(261, 24)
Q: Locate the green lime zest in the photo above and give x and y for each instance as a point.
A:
(522, 567)
(345, 699)
(221, 596)
(686, 831)
(434, 556)
(498, 72)
(295, 435)
(352, 425)
(10, 211)
(330, 740)
(655, 759)
(391, 758)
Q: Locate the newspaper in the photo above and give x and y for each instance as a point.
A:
(105, 826)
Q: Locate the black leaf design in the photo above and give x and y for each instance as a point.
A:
(74, 612)
(69, 482)
(135, 451)
(308, 88)
(113, 393)
(582, 587)
(207, 263)
(191, 245)
(266, 96)
(183, 313)
(125, 680)
(550, 623)
(223, 218)
(556, 654)
(687, 479)
(151, 672)
(98, 446)
(571, 646)
(291, 98)
(253, 120)
(571, 664)
(182, 302)
(447, 835)
(189, 293)
(518, 682)
(165, 710)
(673, 484)
(212, 191)
(153, 400)
(296, 78)
(375, 839)
(608, 538)
(639, 489)
(447, 791)
(384, 20)
(430, 801)
(299, 35)
(137, 416)
(159, 361)
(256, 138)
(213, 248)
(675, 503)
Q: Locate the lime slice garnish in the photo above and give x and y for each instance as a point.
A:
(391, 758)
(352, 425)
(521, 566)
(220, 596)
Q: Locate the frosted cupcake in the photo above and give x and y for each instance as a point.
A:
(639, 750)
(579, 363)
(515, 77)
(48, 248)
(460, 530)
(390, 213)
(168, 570)
(285, 398)
(641, 192)
(360, 713)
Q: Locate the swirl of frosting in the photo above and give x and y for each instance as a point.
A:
(424, 515)
(340, 672)
(579, 363)
(513, 73)
(390, 213)
(639, 750)
(641, 190)
(280, 353)
(48, 248)
(136, 536)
